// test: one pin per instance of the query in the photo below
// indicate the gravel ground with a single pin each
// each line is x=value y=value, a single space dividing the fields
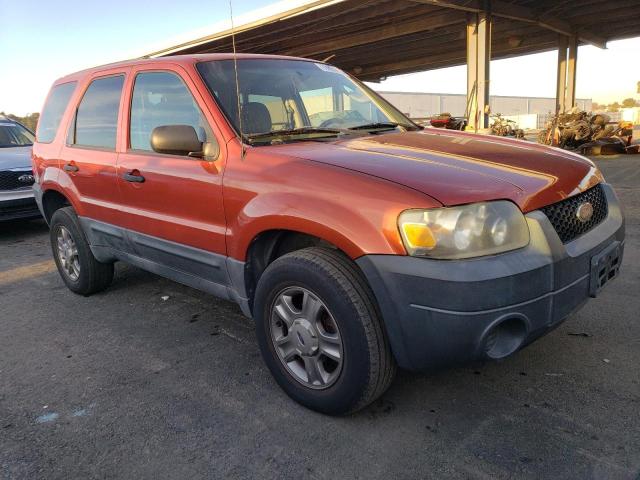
x=127 y=384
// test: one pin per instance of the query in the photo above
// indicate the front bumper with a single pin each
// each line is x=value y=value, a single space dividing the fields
x=443 y=312
x=18 y=204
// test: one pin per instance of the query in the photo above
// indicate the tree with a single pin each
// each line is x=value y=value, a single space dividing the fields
x=614 y=107
x=30 y=120
x=629 y=102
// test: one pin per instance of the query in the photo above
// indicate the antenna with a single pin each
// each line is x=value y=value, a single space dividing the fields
x=235 y=68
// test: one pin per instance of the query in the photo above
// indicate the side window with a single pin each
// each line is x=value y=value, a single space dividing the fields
x=53 y=110
x=162 y=98
x=96 y=121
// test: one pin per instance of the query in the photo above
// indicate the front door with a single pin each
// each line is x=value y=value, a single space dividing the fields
x=173 y=204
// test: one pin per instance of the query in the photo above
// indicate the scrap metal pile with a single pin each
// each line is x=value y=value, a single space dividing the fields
x=500 y=126
x=591 y=134
x=504 y=127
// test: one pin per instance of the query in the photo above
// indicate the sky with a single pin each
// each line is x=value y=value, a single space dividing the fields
x=41 y=40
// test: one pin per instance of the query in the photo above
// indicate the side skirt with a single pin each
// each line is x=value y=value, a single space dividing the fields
x=209 y=272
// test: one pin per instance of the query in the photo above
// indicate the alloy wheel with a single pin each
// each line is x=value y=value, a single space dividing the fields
x=68 y=254
x=306 y=337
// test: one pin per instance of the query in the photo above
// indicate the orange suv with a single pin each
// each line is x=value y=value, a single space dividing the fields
x=356 y=239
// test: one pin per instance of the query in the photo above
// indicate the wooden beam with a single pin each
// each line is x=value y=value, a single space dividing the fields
x=473 y=6
x=413 y=46
x=521 y=13
x=384 y=32
x=449 y=57
x=286 y=32
x=414 y=64
x=410 y=46
x=241 y=28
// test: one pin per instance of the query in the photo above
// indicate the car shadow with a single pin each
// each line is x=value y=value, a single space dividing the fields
x=14 y=231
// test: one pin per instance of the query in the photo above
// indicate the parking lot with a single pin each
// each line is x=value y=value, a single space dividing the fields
x=151 y=379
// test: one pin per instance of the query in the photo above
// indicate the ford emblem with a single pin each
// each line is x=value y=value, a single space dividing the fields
x=26 y=178
x=584 y=212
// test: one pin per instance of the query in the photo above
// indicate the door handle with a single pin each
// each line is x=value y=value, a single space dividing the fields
x=133 y=176
x=70 y=167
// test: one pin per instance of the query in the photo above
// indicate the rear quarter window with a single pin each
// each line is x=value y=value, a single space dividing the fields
x=53 y=111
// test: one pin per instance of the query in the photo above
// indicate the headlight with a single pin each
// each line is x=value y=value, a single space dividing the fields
x=466 y=231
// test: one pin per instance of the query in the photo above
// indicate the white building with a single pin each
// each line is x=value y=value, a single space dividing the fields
x=424 y=105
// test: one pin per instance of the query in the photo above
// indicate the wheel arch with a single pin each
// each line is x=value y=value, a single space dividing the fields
x=269 y=245
x=53 y=200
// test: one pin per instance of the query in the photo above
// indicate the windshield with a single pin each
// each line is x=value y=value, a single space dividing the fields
x=296 y=97
x=14 y=135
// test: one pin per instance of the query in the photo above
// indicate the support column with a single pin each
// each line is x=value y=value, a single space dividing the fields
x=561 y=81
x=472 y=71
x=478 y=63
x=572 y=64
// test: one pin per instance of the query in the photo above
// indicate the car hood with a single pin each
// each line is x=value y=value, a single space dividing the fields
x=458 y=167
x=15 y=157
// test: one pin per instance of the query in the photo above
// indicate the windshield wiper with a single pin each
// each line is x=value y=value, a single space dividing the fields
x=295 y=131
x=382 y=126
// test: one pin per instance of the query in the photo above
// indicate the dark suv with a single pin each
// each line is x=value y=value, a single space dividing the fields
x=16 y=177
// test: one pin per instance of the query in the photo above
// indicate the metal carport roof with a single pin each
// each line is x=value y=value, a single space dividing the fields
x=379 y=38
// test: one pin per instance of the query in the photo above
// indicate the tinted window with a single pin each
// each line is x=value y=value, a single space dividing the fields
x=97 y=116
x=162 y=98
x=53 y=111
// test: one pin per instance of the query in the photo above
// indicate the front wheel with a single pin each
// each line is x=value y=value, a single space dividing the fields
x=79 y=269
x=320 y=331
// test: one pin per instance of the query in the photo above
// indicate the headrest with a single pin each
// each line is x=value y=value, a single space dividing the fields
x=255 y=118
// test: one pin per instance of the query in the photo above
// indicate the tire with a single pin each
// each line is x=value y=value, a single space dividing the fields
x=90 y=276
x=367 y=365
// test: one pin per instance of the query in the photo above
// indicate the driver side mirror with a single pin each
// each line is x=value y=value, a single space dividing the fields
x=182 y=140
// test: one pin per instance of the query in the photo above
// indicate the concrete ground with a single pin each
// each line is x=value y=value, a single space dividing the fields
x=151 y=379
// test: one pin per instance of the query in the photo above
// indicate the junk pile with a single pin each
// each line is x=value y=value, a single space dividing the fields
x=504 y=127
x=590 y=134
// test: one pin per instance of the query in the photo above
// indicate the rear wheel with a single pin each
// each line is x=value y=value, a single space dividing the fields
x=320 y=331
x=79 y=269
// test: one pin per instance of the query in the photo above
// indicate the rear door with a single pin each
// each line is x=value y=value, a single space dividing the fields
x=173 y=204
x=88 y=157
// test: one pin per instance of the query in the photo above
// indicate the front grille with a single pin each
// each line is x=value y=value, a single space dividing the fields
x=9 y=180
x=563 y=215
